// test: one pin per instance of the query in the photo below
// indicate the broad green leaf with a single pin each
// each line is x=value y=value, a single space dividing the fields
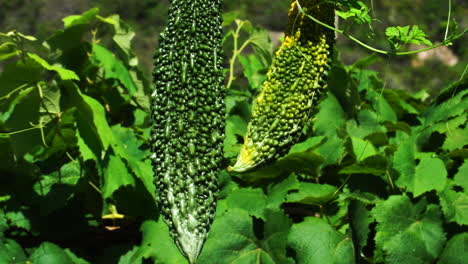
x=57 y=187
x=456 y=250
x=404 y=163
x=84 y=18
x=307 y=145
x=454 y=204
x=92 y=123
x=461 y=178
x=430 y=174
x=249 y=199
x=123 y=35
x=356 y=10
x=454 y=106
x=360 y=218
x=64 y=74
x=11 y=252
x=303 y=162
x=86 y=152
x=18 y=219
x=236 y=127
x=456 y=138
x=362 y=149
x=330 y=107
x=333 y=150
x=50 y=102
x=116 y=175
x=128 y=147
x=312 y=193
x=277 y=192
x=49 y=253
x=254 y=70
x=406 y=232
x=397 y=36
x=232 y=240
x=316 y=242
x=157 y=244
x=261 y=43
x=366 y=124
x=61 y=136
x=275 y=236
x=344 y=88
x=113 y=68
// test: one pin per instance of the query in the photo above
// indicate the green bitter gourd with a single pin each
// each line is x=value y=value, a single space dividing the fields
x=294 y=81
x=188 y=120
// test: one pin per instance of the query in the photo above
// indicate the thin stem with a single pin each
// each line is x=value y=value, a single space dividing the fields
x=448 y=19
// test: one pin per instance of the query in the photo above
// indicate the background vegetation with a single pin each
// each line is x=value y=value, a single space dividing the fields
x=378 y=176
x=147 y=18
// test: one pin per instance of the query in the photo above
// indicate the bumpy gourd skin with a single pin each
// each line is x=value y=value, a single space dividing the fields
x=188 y=120
x=294 y=81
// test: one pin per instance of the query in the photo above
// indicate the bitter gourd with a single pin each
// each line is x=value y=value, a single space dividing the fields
x=188 y=120
x=294 y=81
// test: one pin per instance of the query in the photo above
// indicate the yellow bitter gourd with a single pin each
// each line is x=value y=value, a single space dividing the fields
x=188 y=120
x=294 y=81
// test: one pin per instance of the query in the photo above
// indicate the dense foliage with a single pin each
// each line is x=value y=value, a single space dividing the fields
x=377 y=176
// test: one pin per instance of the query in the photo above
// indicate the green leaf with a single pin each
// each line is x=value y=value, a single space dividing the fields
x=357 y=10
x=366 y=124
x=304 y=162
x=456 y=139
x=232 y=240
x=316 y=242
x=361 y=219
x=461 y=178
x=235 y=126
x=157 y=244
x=333 y=150
x=430 y=174
x=11 y=252
x=307 y=145
x=128 y=147
x=64 y=74
x=49 y=253
x=362 y=148
x=344 y=88
x=454 y=204
x=312 y=193
x=398 y=36
x=253 y=70
x=57 y=187
x=404 y=163
x=277 y=192
x=324 y=125
x=455 y=251
x=123 y=35
x=92 y=124
x=84 y=18
x=251 y=200
x=18 y=220
x=113 y=68
x=407 y=233
x=116 y=175
x=261 y=43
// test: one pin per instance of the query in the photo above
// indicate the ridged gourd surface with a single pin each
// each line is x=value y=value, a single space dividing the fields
x=188 y=120
x=294 y=82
